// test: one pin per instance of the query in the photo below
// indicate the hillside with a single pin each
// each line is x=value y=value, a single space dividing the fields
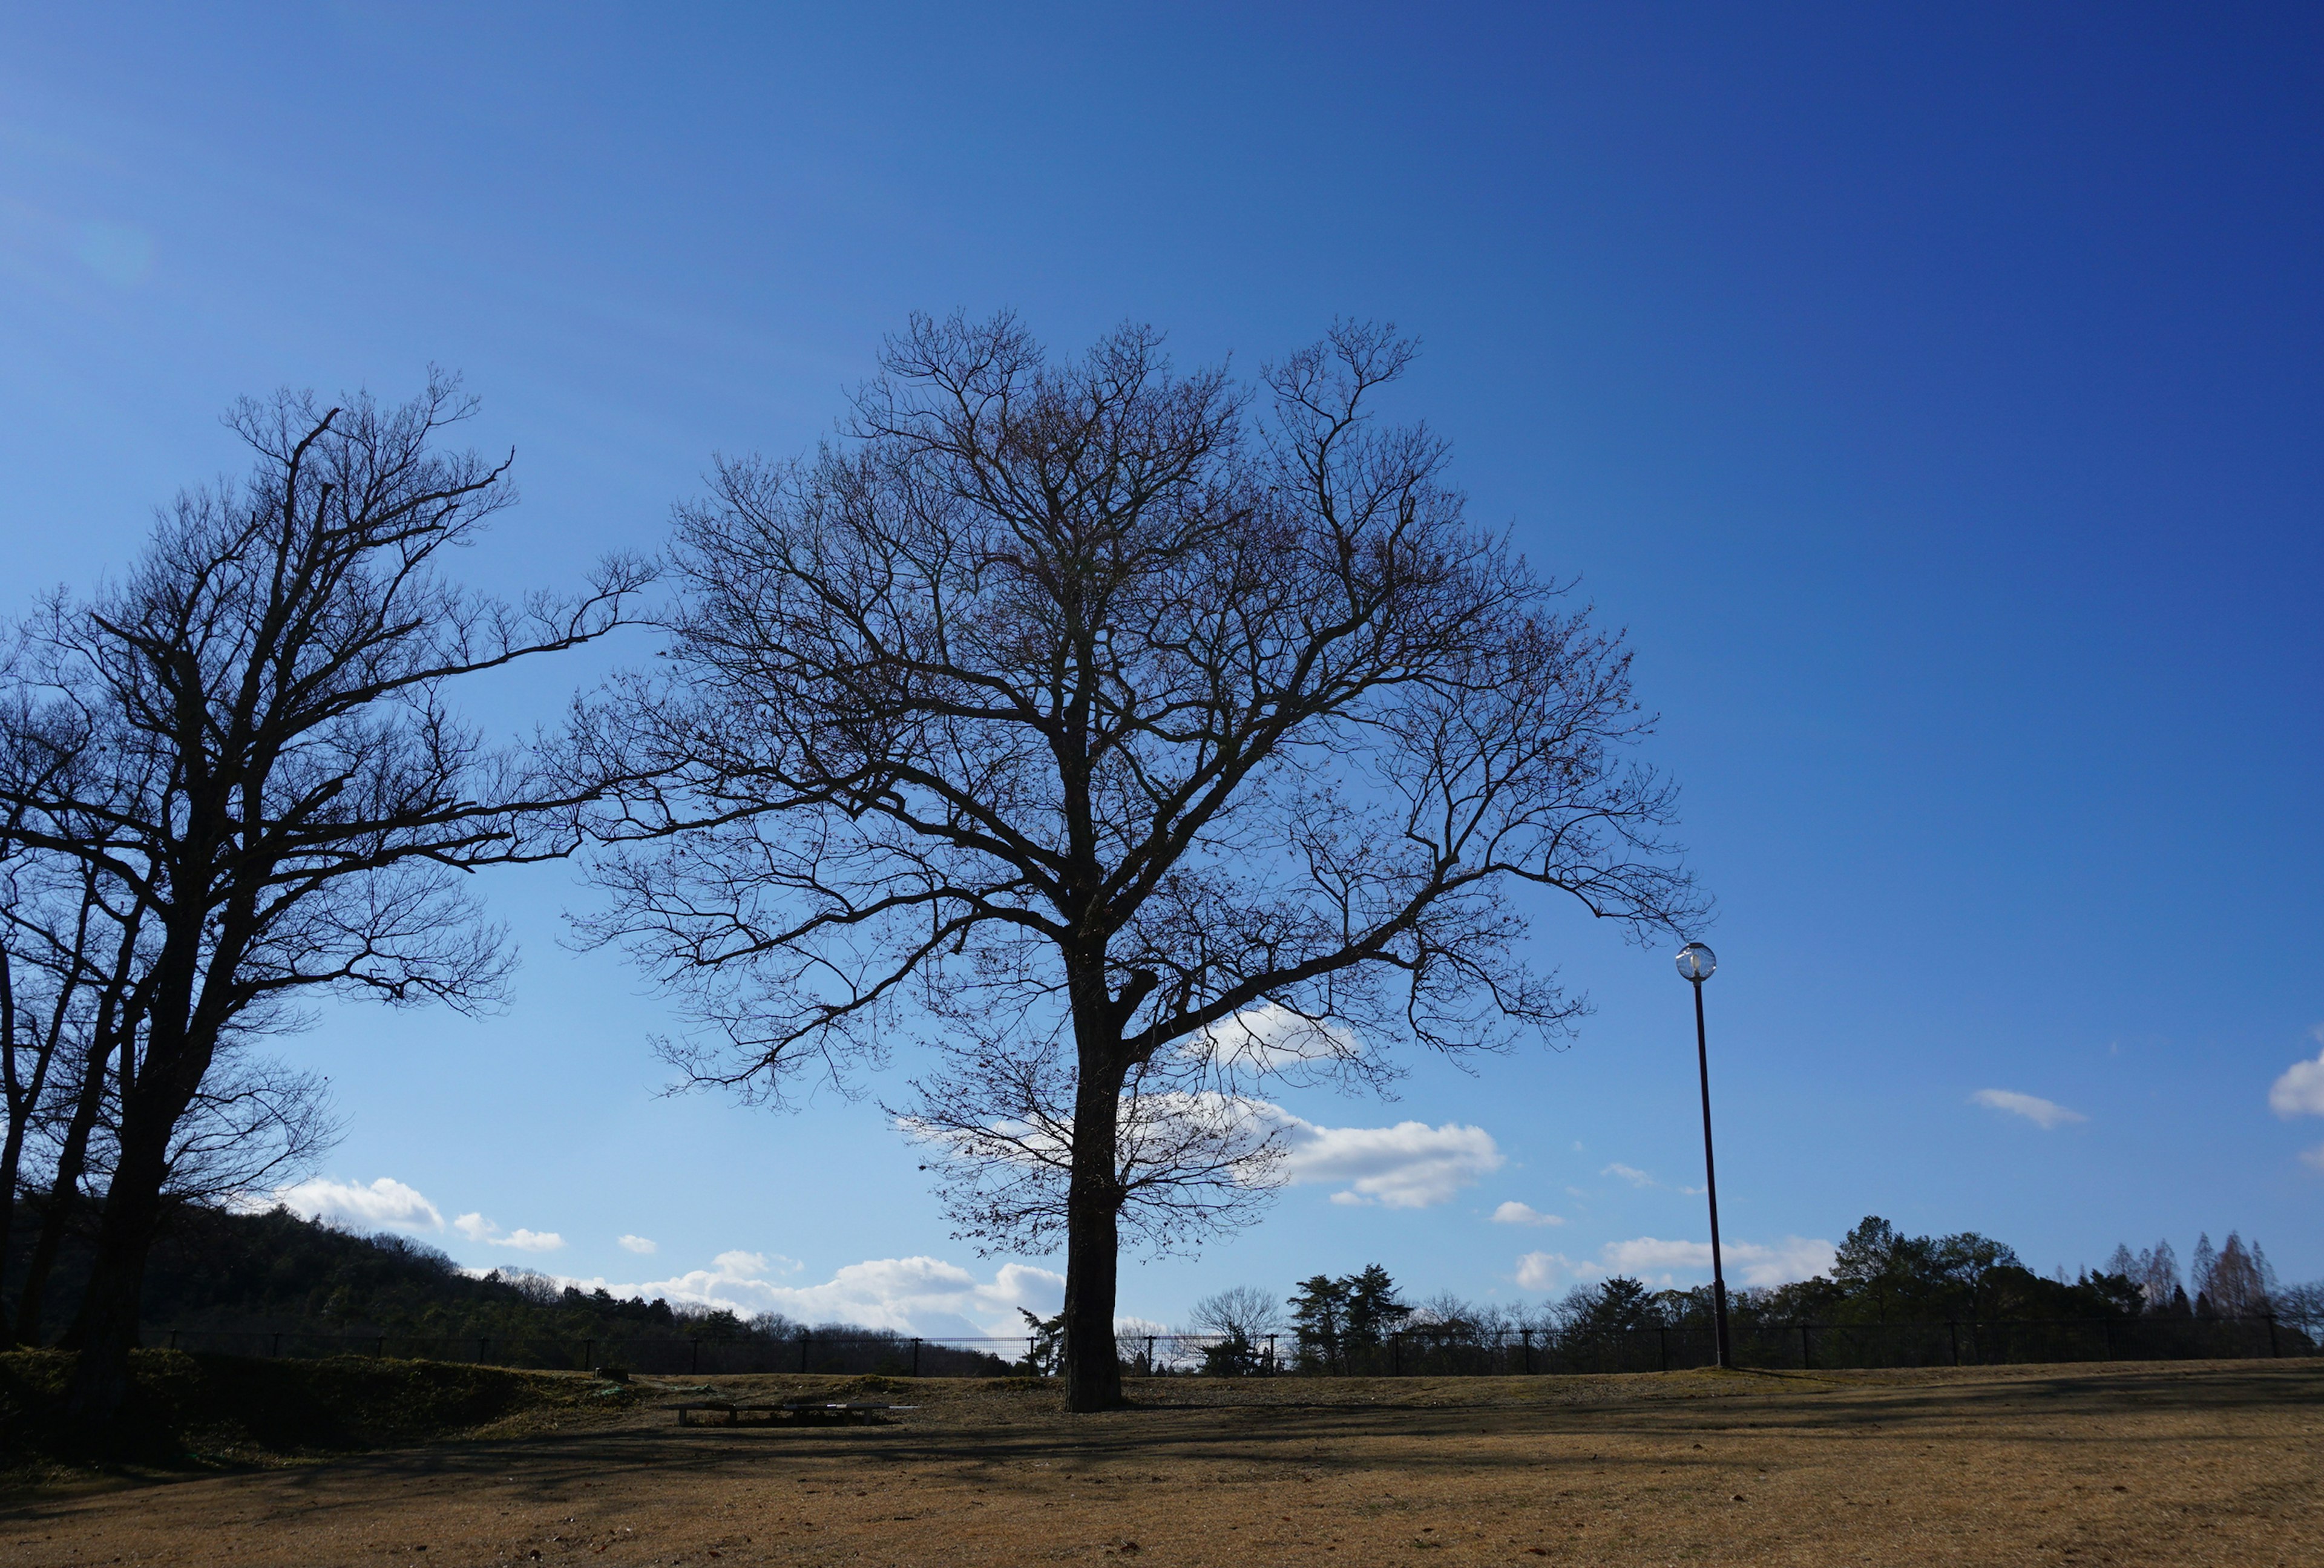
x=216 y=1268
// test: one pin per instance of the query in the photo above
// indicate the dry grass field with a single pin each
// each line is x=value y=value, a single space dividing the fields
x=2196 y=1464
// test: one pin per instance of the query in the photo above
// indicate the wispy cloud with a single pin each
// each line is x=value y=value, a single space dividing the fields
x=2043 y=1113
x=484 y=1232
x=1639 y=1178
x=1674 y=1263
x=638 y=1244
x=384 y=1204
x=2301 y=1091
x=2314 y=1156
x=1515 y=1214
x=1408 y=1165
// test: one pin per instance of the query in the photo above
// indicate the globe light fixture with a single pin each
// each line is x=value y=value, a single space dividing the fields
x=1697 y=963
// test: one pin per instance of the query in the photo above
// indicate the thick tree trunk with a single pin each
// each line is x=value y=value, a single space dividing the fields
x=1093 y=1241
x=106 y=1328
x=64 y=1196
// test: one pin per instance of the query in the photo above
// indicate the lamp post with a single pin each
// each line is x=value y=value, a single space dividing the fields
x=1696 y=964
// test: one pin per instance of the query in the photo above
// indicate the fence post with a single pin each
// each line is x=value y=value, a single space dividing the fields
x=1395 y=1350
x=1031 y=1343
x=1807 y=1358
x=1271 y=1363
x=1150 y=1355
x=915 y=1358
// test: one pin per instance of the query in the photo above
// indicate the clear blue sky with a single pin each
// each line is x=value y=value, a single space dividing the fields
x=1933 y=393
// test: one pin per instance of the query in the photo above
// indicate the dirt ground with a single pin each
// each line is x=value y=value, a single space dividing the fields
x=2196 y=1464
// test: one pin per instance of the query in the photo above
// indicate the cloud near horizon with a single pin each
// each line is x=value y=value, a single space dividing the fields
x=486 y=1233
x=2043 y=1113
x=1662 y=1263
x=916 y=1295
x=386 y=1205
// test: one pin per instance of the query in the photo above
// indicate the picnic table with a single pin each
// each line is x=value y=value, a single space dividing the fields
x=788 y=1411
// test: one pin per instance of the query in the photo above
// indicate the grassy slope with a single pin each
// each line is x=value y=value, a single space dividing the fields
x=206 y=1410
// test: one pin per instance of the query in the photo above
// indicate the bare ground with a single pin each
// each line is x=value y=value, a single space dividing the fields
x=2194 y=1464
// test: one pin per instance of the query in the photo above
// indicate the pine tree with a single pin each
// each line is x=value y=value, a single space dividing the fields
x=1318 y=1317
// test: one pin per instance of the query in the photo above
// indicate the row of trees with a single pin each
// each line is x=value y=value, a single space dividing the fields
x=1123 y=738
x=2236 y=1280
x=1880 y=1275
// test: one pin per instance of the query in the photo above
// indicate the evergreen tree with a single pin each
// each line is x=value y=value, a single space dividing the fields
x=1319 y=1314
x=1373 y=1312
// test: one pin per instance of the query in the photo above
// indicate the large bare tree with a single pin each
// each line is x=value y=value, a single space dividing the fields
x=249 y=738
x=1075 y=715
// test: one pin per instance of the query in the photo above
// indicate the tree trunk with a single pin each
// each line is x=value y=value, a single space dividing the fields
x=12 y=1155
x=106 y=1328
x=64 y=1195
x=1092 y=1243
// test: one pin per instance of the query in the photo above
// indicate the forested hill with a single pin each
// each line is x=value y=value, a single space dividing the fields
x=217 y=1269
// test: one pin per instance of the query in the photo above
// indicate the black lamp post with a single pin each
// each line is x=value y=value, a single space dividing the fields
x=1696 y=964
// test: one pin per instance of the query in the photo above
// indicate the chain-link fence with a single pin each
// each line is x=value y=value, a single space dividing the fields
x=1421 y=1352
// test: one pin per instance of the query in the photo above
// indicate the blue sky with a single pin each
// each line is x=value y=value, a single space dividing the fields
x=1933 y=393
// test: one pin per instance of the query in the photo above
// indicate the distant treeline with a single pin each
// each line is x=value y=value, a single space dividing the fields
x=220 y=1269
x=1879 y=1276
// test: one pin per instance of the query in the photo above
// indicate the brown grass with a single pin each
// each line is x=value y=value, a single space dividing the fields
x=2204 y=1463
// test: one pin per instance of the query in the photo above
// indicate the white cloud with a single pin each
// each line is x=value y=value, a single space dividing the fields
x=920 y=1296
x=385 y=1204
x=2314 y=1156
x=478 y=1229
x=1515 y=1214
x=638 y=1244
x=2043 y=1113
x=2301 y=1091
x=1408 y=1165
x=1663 y=1263
x=1544 y=1270
x=1272 y=1039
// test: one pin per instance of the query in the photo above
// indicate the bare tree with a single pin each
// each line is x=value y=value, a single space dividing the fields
x=261 y=757
x=37 y=969
x=115 y=985
x=1072 y=713
x=2239 y=1282
x=1242 y=1309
